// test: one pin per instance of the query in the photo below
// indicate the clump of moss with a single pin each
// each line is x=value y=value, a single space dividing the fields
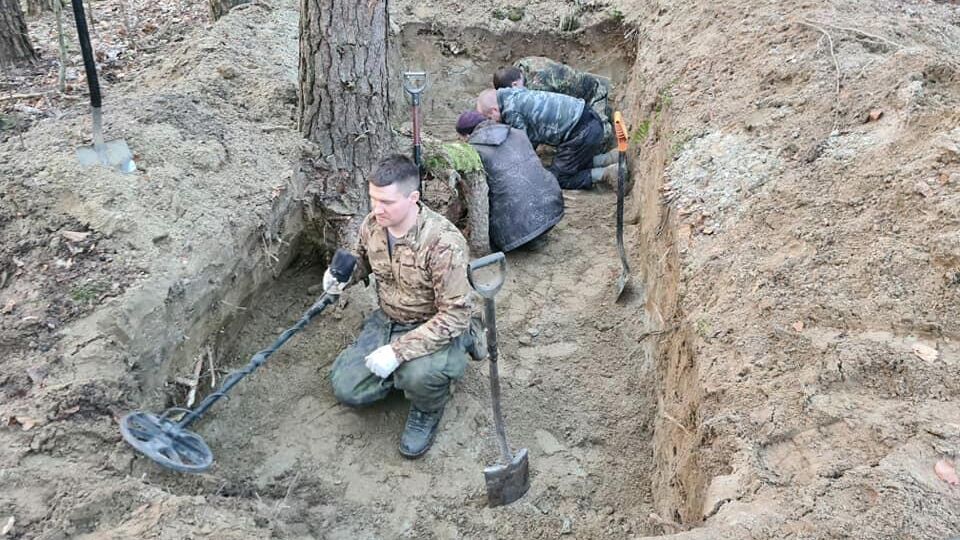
x=458 y=156
x=513 y=13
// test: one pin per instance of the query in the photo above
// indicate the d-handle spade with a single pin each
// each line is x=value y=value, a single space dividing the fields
x=415 y=82
x=114 y=153
x=621 y=130
x=169 y=442
x=507 y=481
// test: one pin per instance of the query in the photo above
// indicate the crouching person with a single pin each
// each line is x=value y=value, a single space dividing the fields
x=417 y=341
x=525 y=198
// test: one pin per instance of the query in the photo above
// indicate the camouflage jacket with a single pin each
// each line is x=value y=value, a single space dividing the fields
x=541 y=73
x=425 y=281
x=546 y=117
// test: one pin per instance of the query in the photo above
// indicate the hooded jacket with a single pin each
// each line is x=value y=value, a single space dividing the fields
x=525 y=198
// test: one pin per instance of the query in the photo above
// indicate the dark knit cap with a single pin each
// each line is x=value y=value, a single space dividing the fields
x=468 y=121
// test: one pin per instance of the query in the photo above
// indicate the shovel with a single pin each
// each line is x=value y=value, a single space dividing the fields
x=113 y=153
x=508 y=481
x=168 y=442
x=414 y=82
x=621 y=131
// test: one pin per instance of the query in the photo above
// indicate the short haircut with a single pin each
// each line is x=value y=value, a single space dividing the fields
x=487 y=101
x=398 y=170
x=505 y=77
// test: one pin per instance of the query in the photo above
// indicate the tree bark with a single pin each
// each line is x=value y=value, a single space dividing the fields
x=344 y=102
x=476 y=195
x=14 y=43
x=219 y=8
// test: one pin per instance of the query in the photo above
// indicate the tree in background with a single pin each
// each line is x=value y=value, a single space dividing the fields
x=343 y=104
x=14 y=43
x=36 y=7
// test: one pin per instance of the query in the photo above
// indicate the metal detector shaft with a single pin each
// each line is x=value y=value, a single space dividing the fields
x=258 y=360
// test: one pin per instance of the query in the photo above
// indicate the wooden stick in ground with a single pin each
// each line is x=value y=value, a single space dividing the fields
x=93 y=23
x=62 y=43
x=213 y=370
x=195 y=382
x=131 y=31
x=30 y=95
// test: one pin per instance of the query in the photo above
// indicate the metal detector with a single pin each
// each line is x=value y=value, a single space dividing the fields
x=168 y=442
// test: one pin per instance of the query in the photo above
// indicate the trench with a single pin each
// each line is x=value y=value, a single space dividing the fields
x=600 y=392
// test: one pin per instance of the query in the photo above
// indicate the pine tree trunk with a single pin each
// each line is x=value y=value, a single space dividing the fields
x=219 y=8
x=343 y=105
x=14 y=42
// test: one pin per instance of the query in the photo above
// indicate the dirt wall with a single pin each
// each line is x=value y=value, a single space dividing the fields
x=800 y=235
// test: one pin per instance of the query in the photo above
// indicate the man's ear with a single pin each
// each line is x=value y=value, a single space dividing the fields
x=517 y=83
x=415 y=196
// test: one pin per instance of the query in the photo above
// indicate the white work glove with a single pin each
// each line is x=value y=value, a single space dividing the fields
x=382 y=361
x=331 y=285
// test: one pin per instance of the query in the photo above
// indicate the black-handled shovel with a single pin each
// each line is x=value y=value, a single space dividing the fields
x=621 y=130
x=506 y=482
x=168 y=442
x=113 y=153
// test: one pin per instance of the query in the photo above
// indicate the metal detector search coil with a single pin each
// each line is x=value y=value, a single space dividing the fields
x=168 y=442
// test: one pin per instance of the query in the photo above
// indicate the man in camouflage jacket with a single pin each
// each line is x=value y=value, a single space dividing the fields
x=544 y=74
x=417 y=341
x=557 y=120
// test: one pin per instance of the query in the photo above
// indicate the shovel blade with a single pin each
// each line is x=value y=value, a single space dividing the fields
x=115 y=154
x=622 y=283
x=507 y=483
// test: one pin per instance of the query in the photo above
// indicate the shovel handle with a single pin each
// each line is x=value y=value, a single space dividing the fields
x=488 y=290
x=414 y=82
x=621 y=130
x=88 y=64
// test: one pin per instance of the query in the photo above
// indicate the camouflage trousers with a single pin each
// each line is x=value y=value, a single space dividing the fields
x=425 y=381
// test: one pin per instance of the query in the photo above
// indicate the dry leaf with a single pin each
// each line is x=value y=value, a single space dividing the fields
x=874 y=115
x=8 y=527
x=946 y=472
x=798 y=326
x=925 y=352
x=8 y=308
x=71 y=410
x=75 y=236
x=26 y=423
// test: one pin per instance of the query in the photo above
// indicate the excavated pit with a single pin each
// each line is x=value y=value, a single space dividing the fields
x=580 y=380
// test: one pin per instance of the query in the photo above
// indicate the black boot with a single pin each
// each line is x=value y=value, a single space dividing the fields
x=419 y=432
